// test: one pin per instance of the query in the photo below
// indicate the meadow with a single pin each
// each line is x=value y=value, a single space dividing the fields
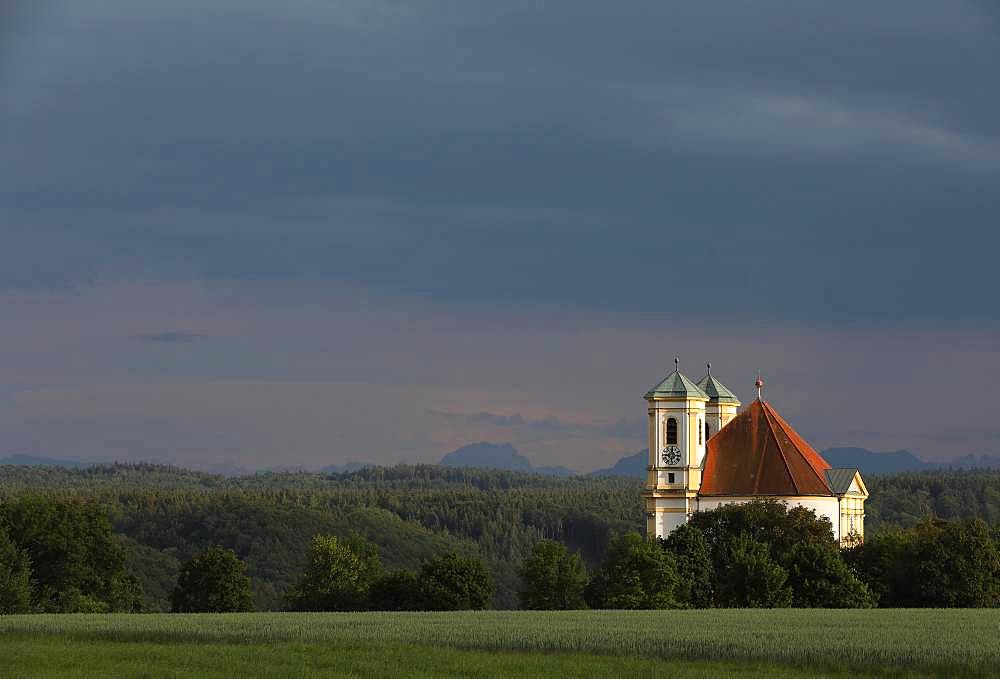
x=928 y=642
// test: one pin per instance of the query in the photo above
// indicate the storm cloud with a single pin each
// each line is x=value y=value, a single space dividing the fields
x=720 y=178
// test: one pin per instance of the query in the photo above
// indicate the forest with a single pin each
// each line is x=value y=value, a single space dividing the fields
x=160 y=517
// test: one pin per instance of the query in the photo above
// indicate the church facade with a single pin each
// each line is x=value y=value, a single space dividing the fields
x=704 y=452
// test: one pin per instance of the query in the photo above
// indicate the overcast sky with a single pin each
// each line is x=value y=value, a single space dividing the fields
x=313 y=231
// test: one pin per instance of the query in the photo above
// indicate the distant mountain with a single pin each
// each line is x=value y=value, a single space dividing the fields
x=902 y=461
x=488 y=455
x=34 y=461
x=867 y=461
x=975 y=462
x=630 y=465
x=876 y=463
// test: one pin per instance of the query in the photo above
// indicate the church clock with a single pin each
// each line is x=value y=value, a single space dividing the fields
x=671 y=455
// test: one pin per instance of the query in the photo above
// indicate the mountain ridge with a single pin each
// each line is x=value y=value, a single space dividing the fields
x=21 y=460
x=504 y=456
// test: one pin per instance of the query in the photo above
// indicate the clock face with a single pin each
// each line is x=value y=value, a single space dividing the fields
x=671 y=455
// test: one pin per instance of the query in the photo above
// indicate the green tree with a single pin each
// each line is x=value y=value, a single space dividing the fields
x=689 y=548
x=15 y=577
x=396 y=590
x=636 y=574
x=737 y=531
x=411 y=512
x=752 y=579
x=957 y=564
x=213 y=581
x=450 y=582
x=934 y=564
x=77 y=563
x=819 y=578
x=768 y=521
x=553 y=578
x=883 y=564
x=338 y=575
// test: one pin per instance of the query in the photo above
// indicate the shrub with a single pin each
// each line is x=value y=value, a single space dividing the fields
x=396 y=591
x=636 y=573
x=935 y=564
x=77 y=563
x=15 y=577
x=553 y=578
x=695 y=587
x=450 y=582
x=213 y=581
x=338 y=575
x=752 y=578
x=819 y=578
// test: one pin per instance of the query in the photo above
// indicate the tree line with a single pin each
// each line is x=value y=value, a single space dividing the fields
x=159 y=518
x=61 y=556
x=411 y=512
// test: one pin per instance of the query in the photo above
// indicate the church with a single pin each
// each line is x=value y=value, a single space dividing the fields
x=704 y=452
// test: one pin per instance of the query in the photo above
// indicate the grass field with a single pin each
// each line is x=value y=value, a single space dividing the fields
x=586 y=643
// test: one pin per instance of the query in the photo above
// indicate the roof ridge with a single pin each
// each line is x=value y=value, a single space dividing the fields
x=740 y=461
x=779 y=421
x=781 y=451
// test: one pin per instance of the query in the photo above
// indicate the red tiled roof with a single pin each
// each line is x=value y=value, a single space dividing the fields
x=758 y=453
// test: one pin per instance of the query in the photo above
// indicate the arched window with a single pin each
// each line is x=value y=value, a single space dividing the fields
x=671 y=432
x=708 y=431
x=699 y=432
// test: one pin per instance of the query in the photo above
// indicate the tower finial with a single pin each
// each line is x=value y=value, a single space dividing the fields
x=709 y=366
x=759 y=384
x=677 y=363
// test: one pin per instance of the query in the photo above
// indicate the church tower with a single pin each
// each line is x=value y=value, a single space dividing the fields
x=677 y=411
x=722 y=404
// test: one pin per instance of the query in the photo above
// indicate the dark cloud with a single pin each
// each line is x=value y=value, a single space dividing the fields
x=799 y=162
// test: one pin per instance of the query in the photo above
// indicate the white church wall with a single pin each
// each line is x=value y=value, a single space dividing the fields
x=668 y=521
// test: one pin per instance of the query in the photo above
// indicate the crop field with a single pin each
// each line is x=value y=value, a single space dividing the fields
x=506 y=643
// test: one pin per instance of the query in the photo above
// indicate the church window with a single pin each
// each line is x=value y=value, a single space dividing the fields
x=708 y=431
x=670 y=477
x=699 y=432
x=671 y=432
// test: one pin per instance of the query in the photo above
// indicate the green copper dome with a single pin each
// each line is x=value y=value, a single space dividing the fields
x=716 y=390
x=676 y=385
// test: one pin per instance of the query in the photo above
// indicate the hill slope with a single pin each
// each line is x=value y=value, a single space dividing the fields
x=410 y=512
